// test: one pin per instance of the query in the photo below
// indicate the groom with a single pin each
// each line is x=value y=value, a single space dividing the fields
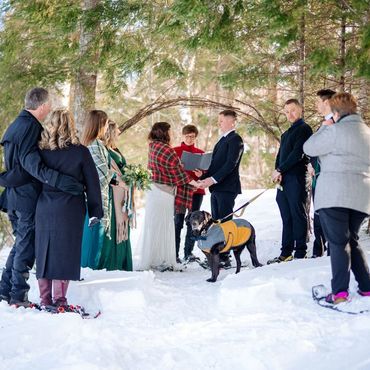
x=222 y=177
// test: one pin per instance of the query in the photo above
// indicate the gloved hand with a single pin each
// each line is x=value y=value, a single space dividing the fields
x=69 y=184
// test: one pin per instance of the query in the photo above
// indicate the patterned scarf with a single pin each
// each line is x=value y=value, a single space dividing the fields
x=101 y=159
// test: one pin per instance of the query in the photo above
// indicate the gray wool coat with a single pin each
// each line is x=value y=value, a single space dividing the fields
x=344 y=154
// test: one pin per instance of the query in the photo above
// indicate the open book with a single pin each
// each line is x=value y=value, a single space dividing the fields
x=192 y=161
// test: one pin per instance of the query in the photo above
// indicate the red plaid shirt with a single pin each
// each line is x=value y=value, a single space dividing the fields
x=166 y=168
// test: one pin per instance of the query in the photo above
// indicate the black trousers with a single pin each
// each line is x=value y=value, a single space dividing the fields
x=179 y=223
x=319 y=244
x=222 y=204
x=13 y=284
x=291 y=201
x=341 y=226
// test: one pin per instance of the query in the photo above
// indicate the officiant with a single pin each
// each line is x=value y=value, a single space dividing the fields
x=222 y=177
x=189 y=136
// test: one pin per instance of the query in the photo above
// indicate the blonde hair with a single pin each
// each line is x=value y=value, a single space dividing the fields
x=343 y=104
x=110 y=136
x=60 y=131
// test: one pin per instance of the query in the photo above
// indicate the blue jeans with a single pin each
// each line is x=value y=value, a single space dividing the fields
x=13 y=284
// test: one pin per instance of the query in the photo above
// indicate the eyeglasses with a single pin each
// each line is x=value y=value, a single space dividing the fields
x=190 y=136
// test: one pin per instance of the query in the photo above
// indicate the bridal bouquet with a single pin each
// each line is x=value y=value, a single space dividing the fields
x=137 y=176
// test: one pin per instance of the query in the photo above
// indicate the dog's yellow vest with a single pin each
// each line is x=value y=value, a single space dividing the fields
x=234 y=234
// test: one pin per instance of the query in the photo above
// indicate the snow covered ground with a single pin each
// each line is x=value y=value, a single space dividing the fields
x=257 y=320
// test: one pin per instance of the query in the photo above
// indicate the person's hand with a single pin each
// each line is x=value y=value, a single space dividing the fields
x=276 y=177
x=328 y=122
x=311 y=170
x=195 y=184
x=69 y=184
x=198 y=173
x=206 y=183
x=122 y=184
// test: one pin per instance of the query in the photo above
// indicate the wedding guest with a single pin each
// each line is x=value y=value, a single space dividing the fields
x=189 y=134
x=116 y=250
x=343 y=192
x=323 y=108
x=157 y=240
x=20 y=197
x=290 y=172
x=60 y=216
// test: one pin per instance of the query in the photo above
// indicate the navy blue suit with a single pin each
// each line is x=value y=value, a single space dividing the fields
x=224 y=168
x=22 y=157
x=292 y=163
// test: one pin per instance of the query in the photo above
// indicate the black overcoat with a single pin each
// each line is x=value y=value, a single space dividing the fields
x=60 y=216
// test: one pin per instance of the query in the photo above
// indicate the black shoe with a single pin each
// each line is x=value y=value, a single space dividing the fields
x=299 y=256
x=280 y=259
x=25 y=304
x=191 y=258
x=178 y=260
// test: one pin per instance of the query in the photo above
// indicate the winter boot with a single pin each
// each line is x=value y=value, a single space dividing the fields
x=364 y=294
x=337 y=298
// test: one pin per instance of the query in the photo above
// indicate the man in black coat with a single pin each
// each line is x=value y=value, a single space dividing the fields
x=290 y=172
x=222 y=176
x=21 y=154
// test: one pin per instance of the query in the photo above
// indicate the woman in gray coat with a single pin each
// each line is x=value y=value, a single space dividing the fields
x=343 y=192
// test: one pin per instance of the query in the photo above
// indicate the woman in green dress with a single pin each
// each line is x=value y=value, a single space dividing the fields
x=116 y=249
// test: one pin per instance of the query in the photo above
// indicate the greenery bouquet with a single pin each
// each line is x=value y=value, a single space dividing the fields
x=137 y=176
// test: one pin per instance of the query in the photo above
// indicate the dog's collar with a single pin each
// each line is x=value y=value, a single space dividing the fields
x=200 y=237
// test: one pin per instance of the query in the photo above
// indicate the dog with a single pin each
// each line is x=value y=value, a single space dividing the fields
x=215 y=238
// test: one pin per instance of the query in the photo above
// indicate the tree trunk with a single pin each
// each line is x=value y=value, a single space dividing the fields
x=302 y=59
x=84 y=83
x=342 y=51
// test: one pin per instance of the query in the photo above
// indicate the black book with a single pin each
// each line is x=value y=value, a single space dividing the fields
x=193 y=161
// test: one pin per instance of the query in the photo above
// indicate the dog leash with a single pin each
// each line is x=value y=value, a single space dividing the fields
x=243 y=206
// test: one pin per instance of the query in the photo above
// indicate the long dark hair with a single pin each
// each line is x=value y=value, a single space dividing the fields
x=160 y=132
x=94 y=123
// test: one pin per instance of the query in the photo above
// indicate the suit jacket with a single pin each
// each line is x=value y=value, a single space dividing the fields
x=344 y=154
x=290 y=158
x=224 y=167
x=21 y=151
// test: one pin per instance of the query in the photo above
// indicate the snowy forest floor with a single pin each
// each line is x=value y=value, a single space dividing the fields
x=260 y=319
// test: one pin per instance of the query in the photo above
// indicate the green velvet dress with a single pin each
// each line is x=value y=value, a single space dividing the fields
x=115 y=256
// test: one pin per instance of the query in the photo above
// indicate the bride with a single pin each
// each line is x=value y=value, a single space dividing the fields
x=157 y=240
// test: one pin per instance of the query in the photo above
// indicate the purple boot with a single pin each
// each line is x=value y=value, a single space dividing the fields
x=45 y=292
x=60 y=290
x=364 y=294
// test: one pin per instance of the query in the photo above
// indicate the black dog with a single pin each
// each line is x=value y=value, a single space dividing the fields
x=215 y=238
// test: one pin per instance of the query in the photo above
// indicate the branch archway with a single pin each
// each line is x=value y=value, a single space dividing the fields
x=246 y=110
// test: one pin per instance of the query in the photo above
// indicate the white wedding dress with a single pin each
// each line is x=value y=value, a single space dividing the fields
x=157 y=238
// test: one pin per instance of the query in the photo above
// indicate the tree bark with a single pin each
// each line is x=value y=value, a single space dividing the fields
x=84 y=83
x=342 y=51
x=302 y=59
